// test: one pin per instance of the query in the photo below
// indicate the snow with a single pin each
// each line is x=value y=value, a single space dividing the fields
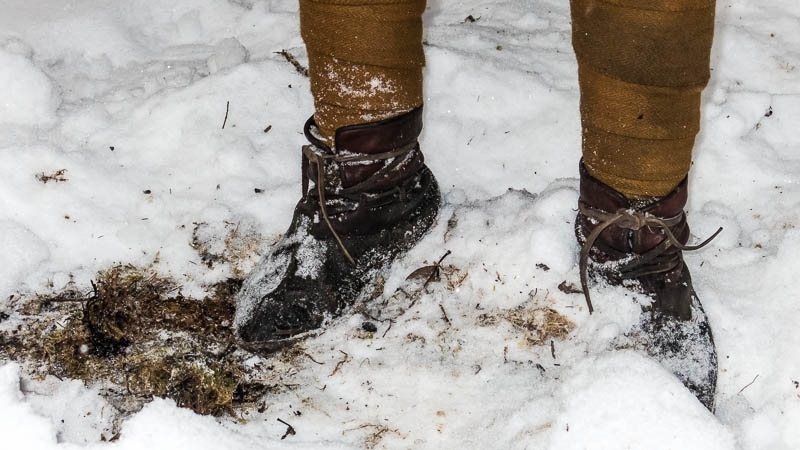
x=20 y=426
x=29 y=96
x=129 y=98
x=604 y=409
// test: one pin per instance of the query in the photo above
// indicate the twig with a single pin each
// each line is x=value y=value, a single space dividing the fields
x=444 y=314
x=341 y=362
x=66 y=300
x=375 y=437
x=57 y=176
x=747 y=385
x=227 y=110
x=289 y=429
x=433 y=275
x=293 y=61
x=387 y=329
x=376 y=319
x=553 y=349
x=446 y=254
x=312 y=359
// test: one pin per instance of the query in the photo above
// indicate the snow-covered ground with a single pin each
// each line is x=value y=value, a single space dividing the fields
x=128 y=98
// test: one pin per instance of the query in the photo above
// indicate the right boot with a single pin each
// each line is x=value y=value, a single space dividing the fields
x=638 y=244
x=365 y=201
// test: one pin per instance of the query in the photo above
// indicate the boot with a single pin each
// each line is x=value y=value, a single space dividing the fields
x=639 y=244
x=364 y=202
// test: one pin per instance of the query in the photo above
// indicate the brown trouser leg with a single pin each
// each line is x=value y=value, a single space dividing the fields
x=642 y=66
x=365 y=59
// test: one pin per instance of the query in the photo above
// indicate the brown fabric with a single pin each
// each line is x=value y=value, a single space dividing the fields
x=642 y=67
x=365 y=59
x=637 y=167
x=645 y=112
x=662 y=5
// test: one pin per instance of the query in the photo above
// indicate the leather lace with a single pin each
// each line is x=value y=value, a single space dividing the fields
x=656 y=260
x=318 y=154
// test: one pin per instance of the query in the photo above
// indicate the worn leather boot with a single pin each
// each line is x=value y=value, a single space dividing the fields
x=639 y=244
x=363 y=204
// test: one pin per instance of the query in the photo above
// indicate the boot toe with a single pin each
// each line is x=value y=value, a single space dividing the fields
x=685 y=347
x=278 y=321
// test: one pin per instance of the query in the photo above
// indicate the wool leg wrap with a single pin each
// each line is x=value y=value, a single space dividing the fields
x=642 y=65
x=365 y=59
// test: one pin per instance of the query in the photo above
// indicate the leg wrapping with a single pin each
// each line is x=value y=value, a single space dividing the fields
x=642 y=67
x=365 y=59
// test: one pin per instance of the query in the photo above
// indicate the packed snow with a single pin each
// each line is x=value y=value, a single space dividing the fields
x=112 y=150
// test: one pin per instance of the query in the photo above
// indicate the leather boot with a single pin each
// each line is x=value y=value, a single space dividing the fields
x=639 y=244
x=364 y=202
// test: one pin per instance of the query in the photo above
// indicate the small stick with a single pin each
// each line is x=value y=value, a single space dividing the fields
x=431 y=277
x=446 y=254
x=227 y=110
x=553 y=349
x=341 y=362
x=312 y=359
x=388 y=328
x=289 y=430
x=293 y=61
x=444 y=314
x=66 y=300
x=747 y=385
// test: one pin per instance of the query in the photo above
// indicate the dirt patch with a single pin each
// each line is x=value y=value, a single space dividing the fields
x=137 y=337
x=539 y=323
x=59 y=176
x=234 y=244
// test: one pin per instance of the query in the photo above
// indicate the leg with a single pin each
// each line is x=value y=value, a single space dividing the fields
x=365 y=59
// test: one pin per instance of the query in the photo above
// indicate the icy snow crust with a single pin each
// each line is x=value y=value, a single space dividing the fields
x=130 y=98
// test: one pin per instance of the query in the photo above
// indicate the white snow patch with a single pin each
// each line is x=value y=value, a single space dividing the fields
x=29 y=97
x=623 y=400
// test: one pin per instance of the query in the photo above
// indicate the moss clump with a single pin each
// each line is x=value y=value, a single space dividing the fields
x=136 y=335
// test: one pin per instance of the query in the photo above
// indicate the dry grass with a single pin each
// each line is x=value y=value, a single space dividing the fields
x=135 y=334
x=540 y=324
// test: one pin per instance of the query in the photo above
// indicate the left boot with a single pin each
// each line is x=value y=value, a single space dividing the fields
x=639 y=244
x=365 y=201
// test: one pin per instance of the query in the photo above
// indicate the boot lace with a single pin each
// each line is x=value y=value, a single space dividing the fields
x=324 y=161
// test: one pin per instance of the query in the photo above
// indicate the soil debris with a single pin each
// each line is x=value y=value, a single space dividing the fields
x=540 y=324
x=136 y=336
x=230 y=243
x=59 y=176
x=569 y=288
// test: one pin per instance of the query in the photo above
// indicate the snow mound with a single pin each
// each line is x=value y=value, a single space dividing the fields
x=625 y=400
x=29 y=97
x=22 y=252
